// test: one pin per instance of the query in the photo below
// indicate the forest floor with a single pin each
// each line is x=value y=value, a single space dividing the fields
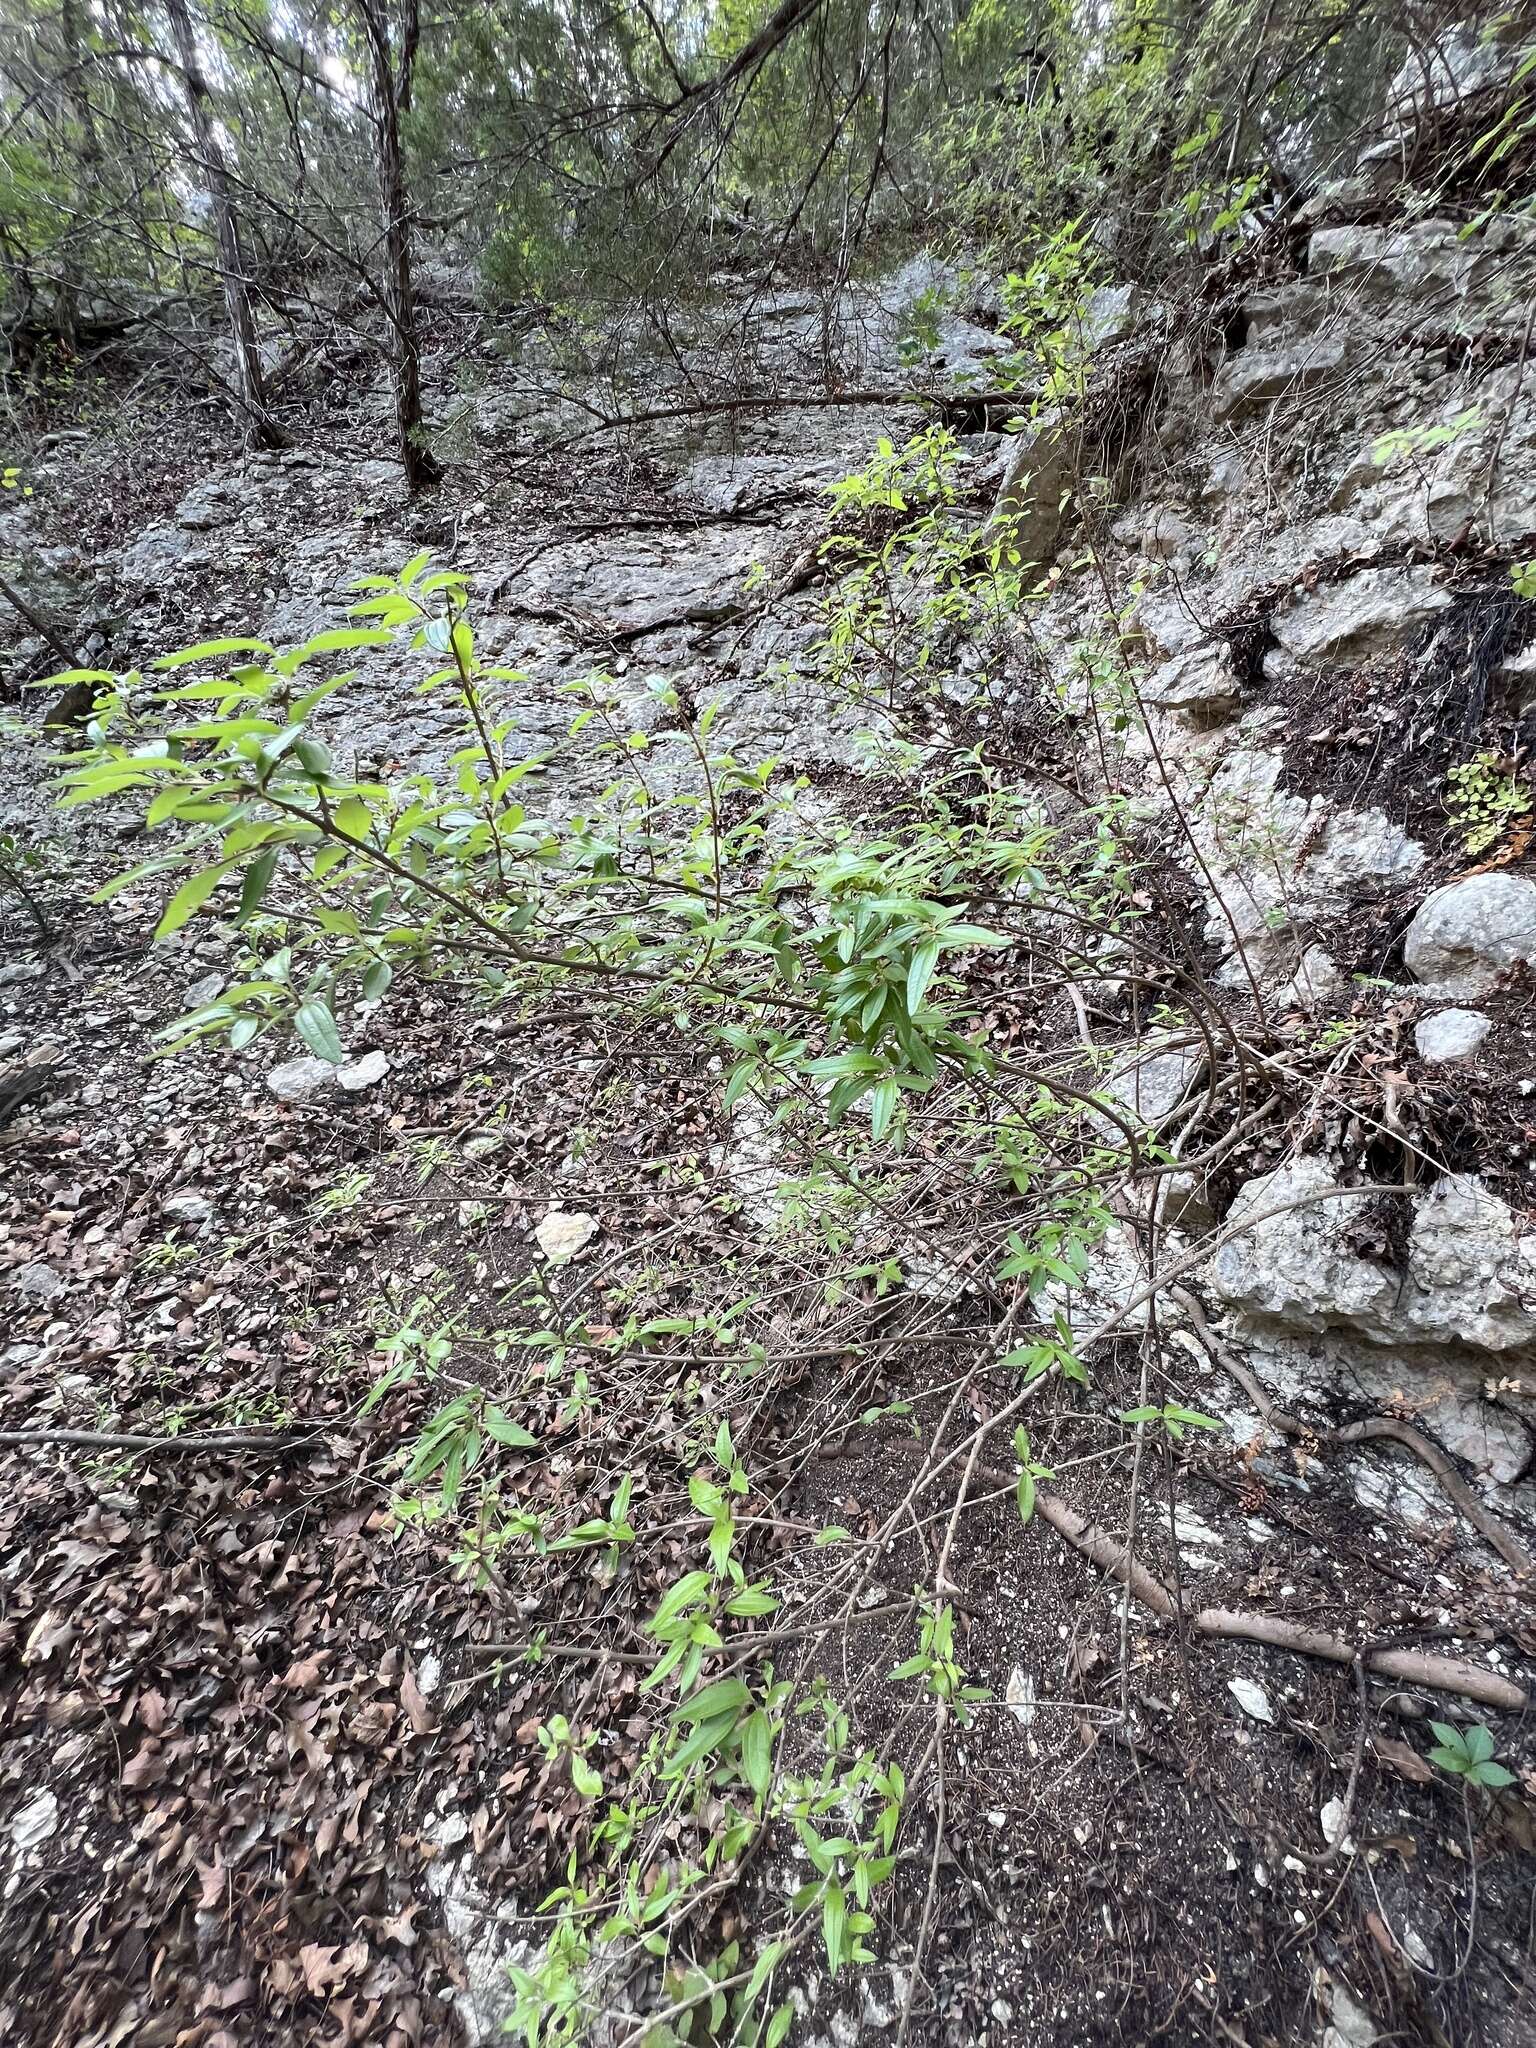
x=270 y=1772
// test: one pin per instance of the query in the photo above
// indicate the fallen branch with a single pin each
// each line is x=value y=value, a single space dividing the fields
x=111 y=1440
x=1409 y=1667
x=37 y=622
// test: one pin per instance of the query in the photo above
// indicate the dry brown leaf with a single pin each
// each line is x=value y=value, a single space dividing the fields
x=1402 y=1758
x=414 y=1703
x=324 y=1968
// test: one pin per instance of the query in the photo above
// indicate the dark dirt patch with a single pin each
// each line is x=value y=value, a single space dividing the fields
x=1386 y=734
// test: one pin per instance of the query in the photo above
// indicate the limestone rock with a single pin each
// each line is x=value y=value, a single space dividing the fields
x=365 y=1072
x=213 y=502
x=1428 y=260
x=1451 y=1034
x=562 y=1234
x=1453 y=65
x=296 y=1080
x=1467 y=934
x=1469 y=1276
x=38 y=1281
x=1316 y=978
x=1150 y=1085
x=1029 y=507
x=1258 y=377
x=1109 y=314
x=1204 y=680
x=1278 y=860
x=1446 y=1401
x=188 y=1206
x=1375 y=610
x=1340 y=198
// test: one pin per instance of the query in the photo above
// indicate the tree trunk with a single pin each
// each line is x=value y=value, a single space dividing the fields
x=260 y=429
x=391 y=91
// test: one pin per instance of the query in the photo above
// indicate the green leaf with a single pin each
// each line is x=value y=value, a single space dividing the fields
x=725 y=1696
x=1026 y=1496
x=317 y=1027
x=1490 y=1774
x=587 y=1781
x=253 y=888
x=882 y=1109
x=757 y=1753
x=502 y=1431
x=920 y=973
x=779 y=2025
x=763 y=1969
x=341 y=640
x=834 y=1920
x=189 y=899
x=1479 y=1744
x=377 y=980
x=206 y=650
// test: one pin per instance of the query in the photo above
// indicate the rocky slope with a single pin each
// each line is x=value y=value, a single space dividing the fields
x=1271 y=635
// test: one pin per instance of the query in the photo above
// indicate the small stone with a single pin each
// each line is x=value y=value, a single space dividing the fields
x=362 y=1073
x=1352 y=2026
x=1415 y=1948
x=188 y=1207
x=562 y=1234
x=1317 y=976
x=1253 y=1699
x=298 y=1079
x=13 y=971
x=1185 y=1204
x=1451 y=1034
x=203 y=992
x=1020 y=1696
x=38 y=1281
x=35 y=1821
x=1333 y=1819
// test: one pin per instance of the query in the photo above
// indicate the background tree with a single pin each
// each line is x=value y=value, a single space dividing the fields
x=261 y=431
x=391 y=70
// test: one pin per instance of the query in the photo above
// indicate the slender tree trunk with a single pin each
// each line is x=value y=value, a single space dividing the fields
x=76 y=101
x=391 y=93
x=261 y=431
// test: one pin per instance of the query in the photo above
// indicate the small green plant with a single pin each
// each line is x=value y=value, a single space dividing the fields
x=1484 y=798
x=560 y=1744
x=1217 y=206
x=1172 y=1418
x=936 y=1663
x=1522 y=576
x=1411 y=442
x=1468 y=1755
x=1029 y=1476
